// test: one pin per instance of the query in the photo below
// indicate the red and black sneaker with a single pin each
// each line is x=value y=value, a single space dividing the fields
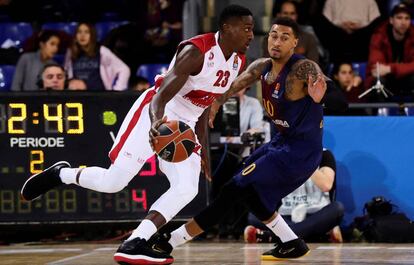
x=42 y=182
x=160 y=242
x=292 y=249
x=139 y=251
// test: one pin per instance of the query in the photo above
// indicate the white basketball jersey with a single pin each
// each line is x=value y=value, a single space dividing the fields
x=214 y=79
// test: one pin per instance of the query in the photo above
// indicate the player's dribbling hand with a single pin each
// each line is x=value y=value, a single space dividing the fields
x=213 y=111
x=154 y=130
x=317 y=89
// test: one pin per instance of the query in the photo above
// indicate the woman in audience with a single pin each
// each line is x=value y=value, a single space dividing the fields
x=95 y=64
x=30 y=64
x=345 y=78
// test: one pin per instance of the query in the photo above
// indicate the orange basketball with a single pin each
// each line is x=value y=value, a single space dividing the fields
x=176 y=141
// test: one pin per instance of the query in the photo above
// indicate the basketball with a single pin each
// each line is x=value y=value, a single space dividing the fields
x=176 y=141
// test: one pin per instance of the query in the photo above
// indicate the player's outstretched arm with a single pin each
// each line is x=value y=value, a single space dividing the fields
x=246 y=79
x=189 y=61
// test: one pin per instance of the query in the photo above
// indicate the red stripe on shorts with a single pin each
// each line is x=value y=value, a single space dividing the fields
x=115 y=151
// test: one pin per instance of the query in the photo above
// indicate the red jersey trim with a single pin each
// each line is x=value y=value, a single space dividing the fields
x=203 y=42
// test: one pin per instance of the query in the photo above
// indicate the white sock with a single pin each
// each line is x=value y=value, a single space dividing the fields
x=68 y=175
x=179 y=236
x=280 y=228
x=145 y=230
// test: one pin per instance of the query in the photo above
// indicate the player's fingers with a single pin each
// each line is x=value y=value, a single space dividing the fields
x=310 y=80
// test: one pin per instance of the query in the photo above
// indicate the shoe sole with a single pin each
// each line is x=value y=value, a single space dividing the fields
x=24 y=185
x=125 y=259
x=273 y=258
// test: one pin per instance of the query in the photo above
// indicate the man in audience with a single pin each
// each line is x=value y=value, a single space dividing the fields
x=52 y=77
x=392 y=47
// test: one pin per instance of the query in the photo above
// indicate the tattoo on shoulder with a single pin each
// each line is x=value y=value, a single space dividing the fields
x=258 y=66
x=304 y=68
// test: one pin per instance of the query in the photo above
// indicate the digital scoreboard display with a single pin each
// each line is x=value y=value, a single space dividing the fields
x=38 y=129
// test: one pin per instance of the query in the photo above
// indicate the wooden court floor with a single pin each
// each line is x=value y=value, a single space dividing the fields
x=209 y=254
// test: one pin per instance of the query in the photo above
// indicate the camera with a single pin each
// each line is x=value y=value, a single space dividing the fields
x=378 y=206
x=249 y=139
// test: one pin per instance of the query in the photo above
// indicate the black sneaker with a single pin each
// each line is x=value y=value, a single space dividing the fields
x=138 y=251
x=160 y=242
x=42 y=182
x=289 y=250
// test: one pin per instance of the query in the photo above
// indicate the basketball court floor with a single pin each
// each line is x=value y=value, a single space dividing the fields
x=209 y=254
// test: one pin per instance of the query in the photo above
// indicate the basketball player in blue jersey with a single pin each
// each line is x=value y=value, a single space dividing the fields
x=293 y=90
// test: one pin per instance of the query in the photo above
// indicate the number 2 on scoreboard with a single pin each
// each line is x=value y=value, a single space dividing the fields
x=36 y=161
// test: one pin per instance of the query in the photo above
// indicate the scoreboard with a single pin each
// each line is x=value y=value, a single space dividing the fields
x=39 y=128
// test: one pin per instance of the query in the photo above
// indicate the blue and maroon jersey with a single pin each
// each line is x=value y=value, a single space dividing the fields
x=300 y=119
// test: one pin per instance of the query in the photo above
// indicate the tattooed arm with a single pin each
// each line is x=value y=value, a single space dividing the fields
x=311 y=80
x=322 y=90
x=247 y=78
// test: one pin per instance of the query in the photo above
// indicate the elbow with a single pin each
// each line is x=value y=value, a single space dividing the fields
x=326 y=187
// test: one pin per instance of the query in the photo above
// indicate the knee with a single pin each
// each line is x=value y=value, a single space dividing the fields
x=113 y=186
x=114 y=181
x=339 y=209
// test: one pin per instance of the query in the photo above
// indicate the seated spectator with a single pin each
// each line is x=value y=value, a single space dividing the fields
x=139 y=84
x=309 y=207
x=308 y=44
x=345 y=78
x=392 y=47
x=95 y=64
x=30 y=64
x=345 y=28
x=77 y=84
x=52 y=77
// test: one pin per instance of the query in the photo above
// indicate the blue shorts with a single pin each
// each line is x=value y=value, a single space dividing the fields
x=279 y=167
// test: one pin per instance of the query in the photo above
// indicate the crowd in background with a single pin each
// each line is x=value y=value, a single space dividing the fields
x=356 y=42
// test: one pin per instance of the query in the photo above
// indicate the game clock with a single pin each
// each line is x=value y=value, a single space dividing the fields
x=38 y=129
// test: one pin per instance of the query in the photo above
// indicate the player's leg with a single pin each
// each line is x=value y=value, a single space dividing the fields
x=127 y=159
x=230 y=195
x=268 y=190
x=183 y=178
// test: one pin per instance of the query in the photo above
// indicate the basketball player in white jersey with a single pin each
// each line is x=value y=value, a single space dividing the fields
x=202 y=70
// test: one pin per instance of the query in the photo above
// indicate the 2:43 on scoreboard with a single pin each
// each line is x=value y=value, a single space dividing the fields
x=18 y=118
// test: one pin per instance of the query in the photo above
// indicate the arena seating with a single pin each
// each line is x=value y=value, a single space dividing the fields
x=103 y=28
x=68 y=27
x=6 y=77
x=149 y=71
x=17 y=32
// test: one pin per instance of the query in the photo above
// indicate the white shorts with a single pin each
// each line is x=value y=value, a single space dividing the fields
x=131 y=147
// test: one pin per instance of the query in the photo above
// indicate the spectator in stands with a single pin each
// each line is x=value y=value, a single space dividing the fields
x=345 y=28
x=164 y=27
x=392 y=46
x=77 y=84
x=52 y=77
x=97 y=65
x=308 y=44
x=346 y=79
x=30 y=64
x=311 y=209
x=139 y=84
